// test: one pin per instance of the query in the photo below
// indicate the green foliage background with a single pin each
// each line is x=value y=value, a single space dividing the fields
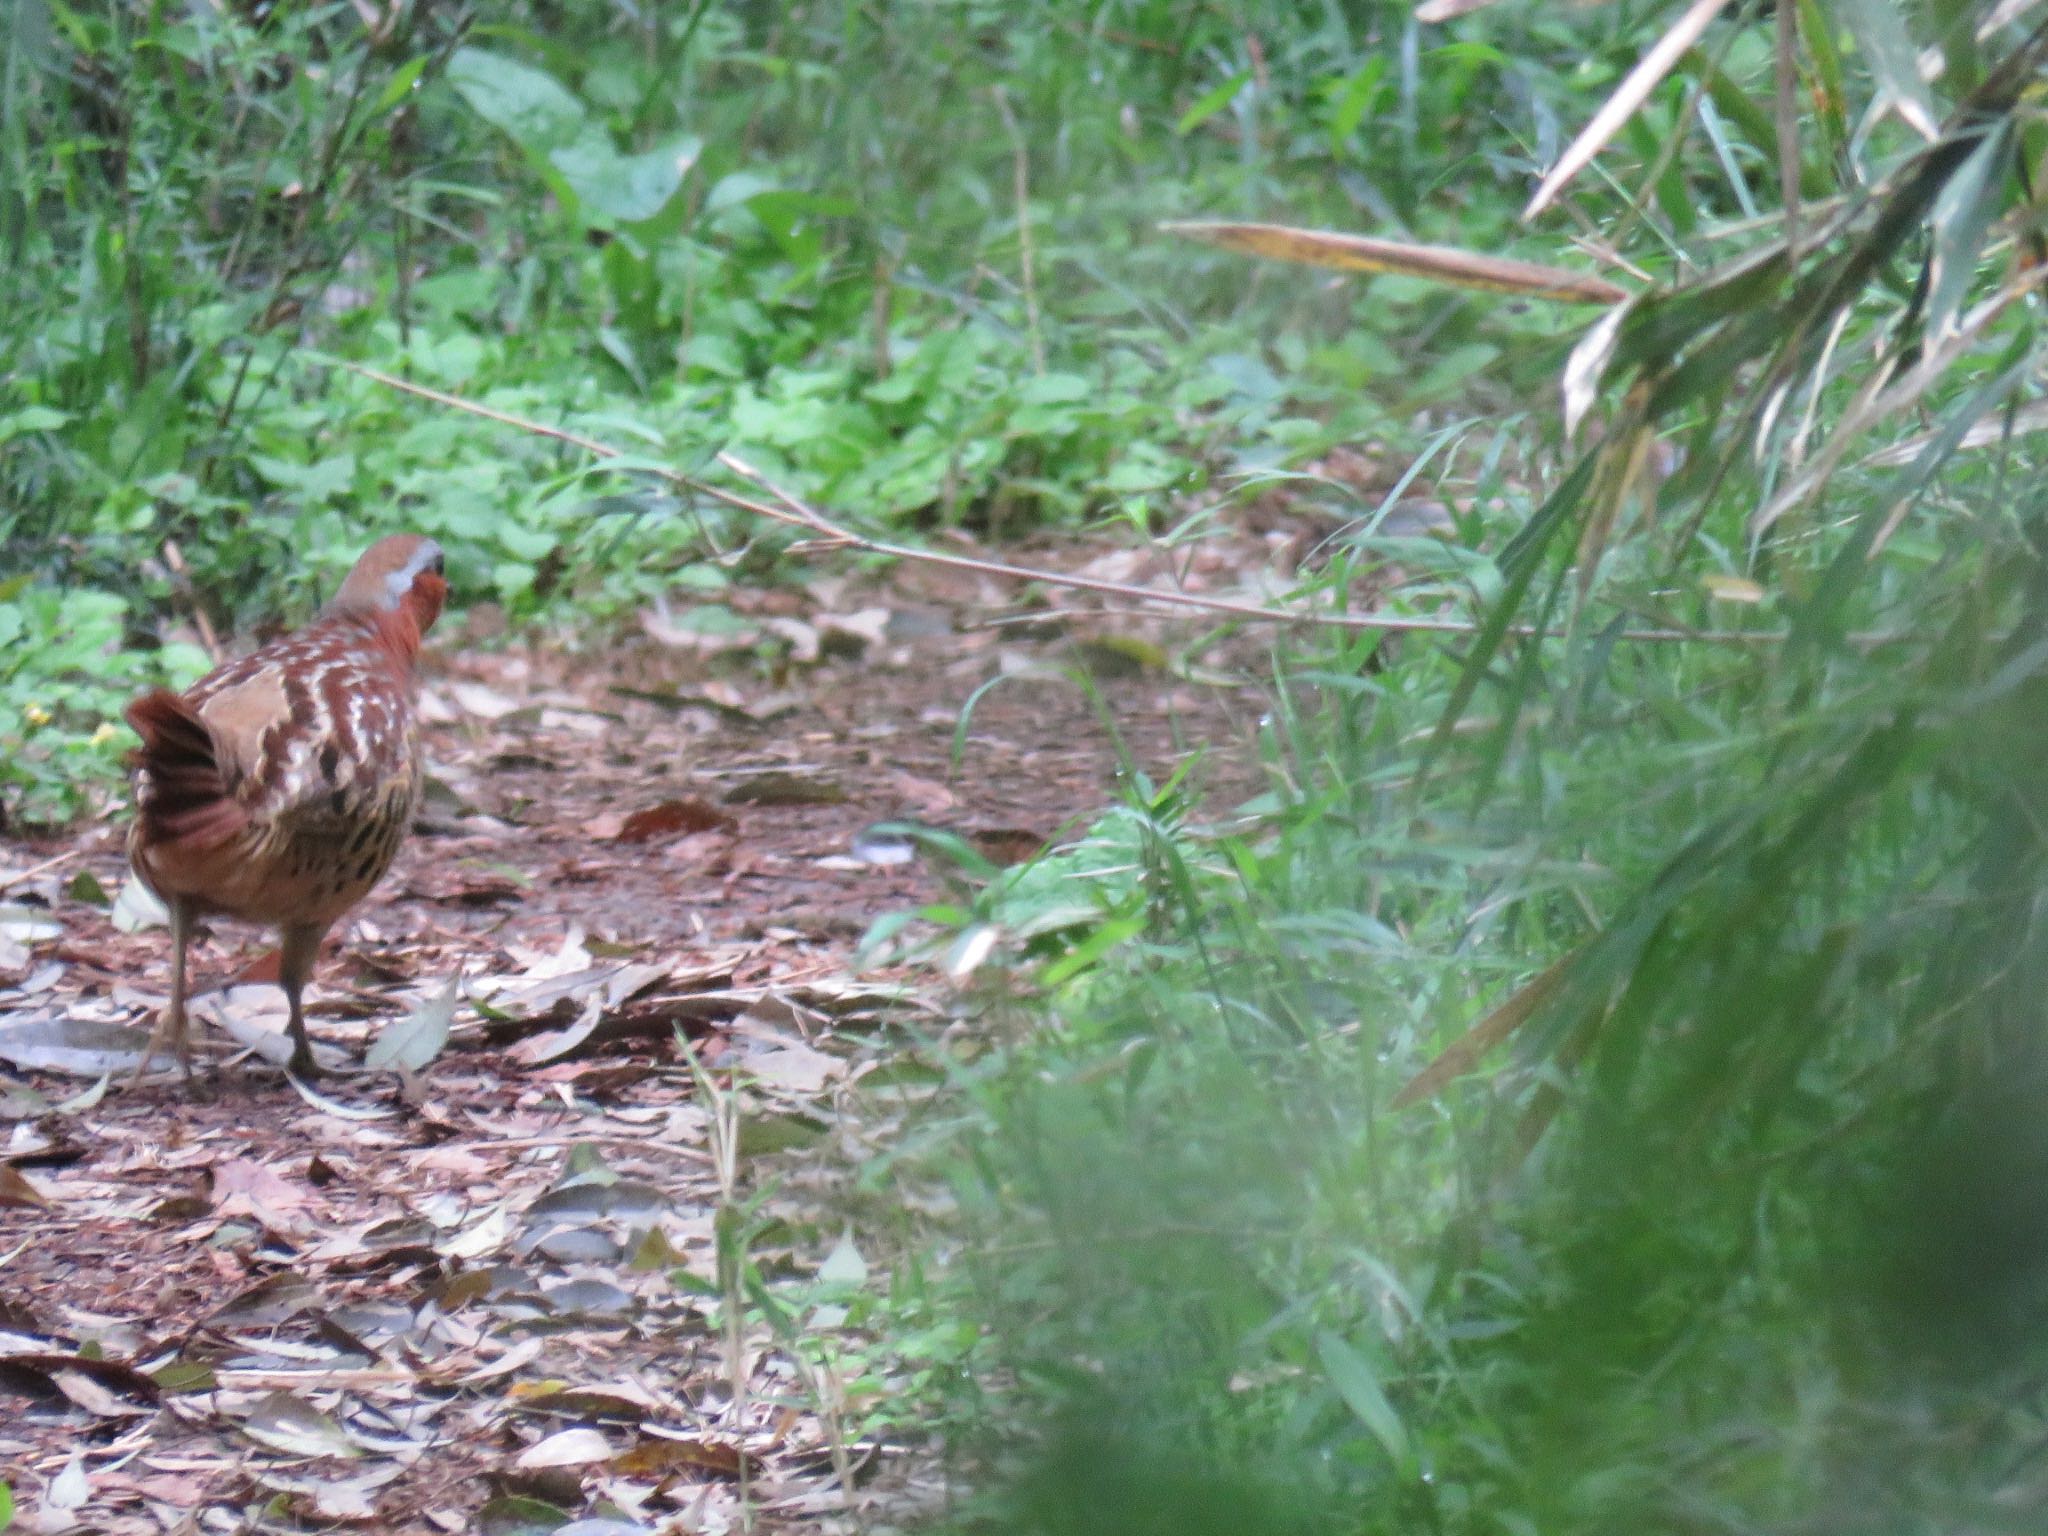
x=793 y=228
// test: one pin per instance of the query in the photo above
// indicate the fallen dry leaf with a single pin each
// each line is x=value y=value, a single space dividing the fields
x=565 y=1448
x=671 y=818
x=15 y=1189
x=779 y=786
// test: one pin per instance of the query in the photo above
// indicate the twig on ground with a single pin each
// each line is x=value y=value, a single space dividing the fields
x=796 y=513
x=11 y=878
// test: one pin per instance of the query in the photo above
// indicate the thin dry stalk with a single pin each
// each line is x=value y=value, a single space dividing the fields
x=831 y=535
x=1020 y=189
x=1787 y=108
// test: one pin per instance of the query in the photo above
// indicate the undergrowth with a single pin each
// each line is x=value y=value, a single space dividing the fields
x=1593 y=1098
x=904 y=258
x=1729 y=1219
x=1735 y=1234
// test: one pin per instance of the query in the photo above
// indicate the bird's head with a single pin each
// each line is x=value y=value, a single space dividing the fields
x=402 y=573
x=398 y=581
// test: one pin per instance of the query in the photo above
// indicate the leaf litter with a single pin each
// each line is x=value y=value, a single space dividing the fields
x=471 y=1283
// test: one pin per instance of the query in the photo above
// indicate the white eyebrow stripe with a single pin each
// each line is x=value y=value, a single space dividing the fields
x=400 y=581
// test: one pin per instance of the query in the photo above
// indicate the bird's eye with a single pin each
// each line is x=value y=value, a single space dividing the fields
x=438 y=566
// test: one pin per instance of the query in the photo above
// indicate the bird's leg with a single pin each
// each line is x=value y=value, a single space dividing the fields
x=170 y=1024
x=300 y=947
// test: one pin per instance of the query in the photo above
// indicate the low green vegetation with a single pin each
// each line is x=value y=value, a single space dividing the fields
x=933 y=298
x=1729 y=1219
x=1728 y=1232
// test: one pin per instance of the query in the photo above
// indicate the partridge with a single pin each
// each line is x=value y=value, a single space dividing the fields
x=276 y=788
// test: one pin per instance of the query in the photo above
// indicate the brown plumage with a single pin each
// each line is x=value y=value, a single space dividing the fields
x=277 y=788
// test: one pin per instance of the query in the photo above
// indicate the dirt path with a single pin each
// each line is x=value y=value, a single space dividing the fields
x=488 y=1296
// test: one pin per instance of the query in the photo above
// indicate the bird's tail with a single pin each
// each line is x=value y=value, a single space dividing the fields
x=180 y=790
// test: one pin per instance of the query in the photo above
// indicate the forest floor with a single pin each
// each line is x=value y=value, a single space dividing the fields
x=487 y=1295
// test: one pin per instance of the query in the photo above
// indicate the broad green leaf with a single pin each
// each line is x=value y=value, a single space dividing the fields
x=844 y=1265
x=1106 y=937
x=400 y=85
x=628 y=188
x=528 y=104
x=738 y=188
x=1355 y=100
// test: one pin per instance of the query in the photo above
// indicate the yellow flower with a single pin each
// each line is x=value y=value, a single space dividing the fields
x=35 y=714
x=107 y=732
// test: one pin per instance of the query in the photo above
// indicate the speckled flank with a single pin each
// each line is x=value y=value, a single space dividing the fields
x=317 y=744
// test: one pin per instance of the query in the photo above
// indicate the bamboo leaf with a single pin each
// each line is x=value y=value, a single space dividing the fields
x=1874 y=406
x=1212 y=103
x=1624 y=457
x=1934 y=63
x=2023 y=422
x=1658 y=327
x=1588 y=365
x=1961 y=219
x=1466 y=1052
x=1437 y=263
x=1880 y=30
x=1757 y=126
x=1626 y=101
x=1519 y=562
x=1948 y=437
x=1359 y=1385
x=1827 y=91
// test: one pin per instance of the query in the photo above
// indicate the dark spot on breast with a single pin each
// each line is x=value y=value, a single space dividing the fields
x=338 y=802
x=330 y=761
x=369 y=869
